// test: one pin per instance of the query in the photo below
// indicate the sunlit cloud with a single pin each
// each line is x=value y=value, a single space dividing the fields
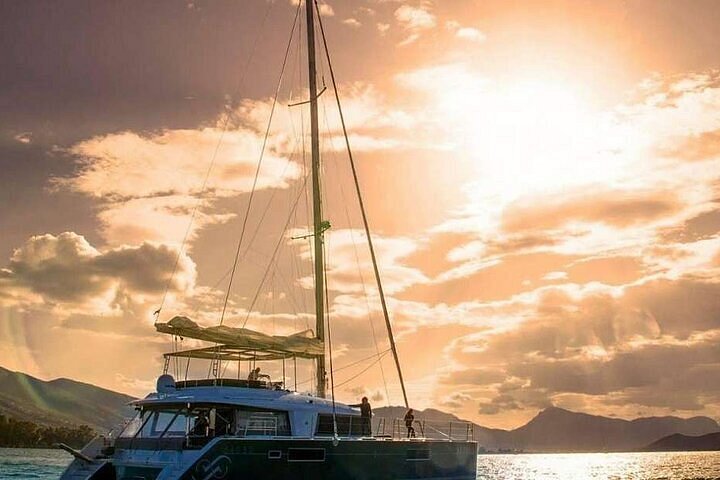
x=24 y=137
x=414 y=20
x=326 y=9
x=466 y=33
x=352 y=22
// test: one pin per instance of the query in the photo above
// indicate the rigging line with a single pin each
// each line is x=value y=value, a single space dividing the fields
x=228 y=116
x=272 y=258
x=267 y=206
x=360 y=373
x=329 y=338
x=257 y=170
x=362 y=210
x=357 y=261
x=350 y=365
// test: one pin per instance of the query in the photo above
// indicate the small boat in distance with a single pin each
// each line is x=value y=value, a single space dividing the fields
x=257 y=428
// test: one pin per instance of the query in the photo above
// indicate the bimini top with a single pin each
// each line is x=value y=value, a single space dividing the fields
x=241 y=343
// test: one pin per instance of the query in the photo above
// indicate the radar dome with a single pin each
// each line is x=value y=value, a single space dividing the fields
x=165 y=384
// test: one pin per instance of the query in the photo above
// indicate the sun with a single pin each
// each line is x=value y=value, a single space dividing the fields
x=530 y=136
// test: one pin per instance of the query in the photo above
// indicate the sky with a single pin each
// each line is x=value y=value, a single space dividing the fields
x=541 y=179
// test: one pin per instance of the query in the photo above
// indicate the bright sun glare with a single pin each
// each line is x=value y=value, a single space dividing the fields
x=528 y=137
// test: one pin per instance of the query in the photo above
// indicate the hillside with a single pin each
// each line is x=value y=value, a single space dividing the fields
x=60 y=402
x=67 y=403
x=558 y=429
x=679 y=442
x=555 y=429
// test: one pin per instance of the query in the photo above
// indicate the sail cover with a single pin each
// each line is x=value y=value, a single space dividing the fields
x=302 y=344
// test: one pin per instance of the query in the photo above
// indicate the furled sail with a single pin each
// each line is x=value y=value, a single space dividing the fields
x=302 y=344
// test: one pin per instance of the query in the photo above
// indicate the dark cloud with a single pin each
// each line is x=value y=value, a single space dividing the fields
x=669 y=375
x=66 y=268
x=475 y=376
x=655 y=345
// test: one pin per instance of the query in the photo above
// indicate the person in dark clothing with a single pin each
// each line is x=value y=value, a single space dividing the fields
x=409 y=419
x=365 y=416
x=254 y=375
x=202 y=423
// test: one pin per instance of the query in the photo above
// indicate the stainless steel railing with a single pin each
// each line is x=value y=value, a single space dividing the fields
x=428 y=429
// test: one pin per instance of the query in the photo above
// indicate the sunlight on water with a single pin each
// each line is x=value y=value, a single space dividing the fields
x=601 y=466
x=49 y=464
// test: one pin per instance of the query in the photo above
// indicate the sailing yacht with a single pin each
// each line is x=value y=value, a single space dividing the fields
x=257 y=428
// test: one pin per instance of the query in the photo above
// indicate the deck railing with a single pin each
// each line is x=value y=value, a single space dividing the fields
x=429 y=429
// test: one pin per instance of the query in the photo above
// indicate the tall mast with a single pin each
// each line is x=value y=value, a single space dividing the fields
x=317 y=200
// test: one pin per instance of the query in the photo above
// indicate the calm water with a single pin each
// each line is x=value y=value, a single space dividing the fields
x=32 y=463
x=48 y=464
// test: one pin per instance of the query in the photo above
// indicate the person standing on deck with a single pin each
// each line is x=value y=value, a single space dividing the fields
x=409 y=419
x=365 y=415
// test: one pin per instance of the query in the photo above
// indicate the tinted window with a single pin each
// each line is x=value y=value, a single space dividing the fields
x=346 y=425
x=306 y=454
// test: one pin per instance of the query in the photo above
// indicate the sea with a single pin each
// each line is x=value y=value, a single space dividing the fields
x=48 y=464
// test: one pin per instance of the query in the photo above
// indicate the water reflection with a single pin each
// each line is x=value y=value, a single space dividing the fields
x=601 y=466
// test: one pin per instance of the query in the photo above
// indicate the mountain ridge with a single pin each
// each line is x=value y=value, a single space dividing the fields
x=680 y=442
x=61 y=401
x=67 y=402
x=555 y=429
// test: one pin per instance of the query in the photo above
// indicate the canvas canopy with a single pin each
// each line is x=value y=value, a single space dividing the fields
x=242 y=341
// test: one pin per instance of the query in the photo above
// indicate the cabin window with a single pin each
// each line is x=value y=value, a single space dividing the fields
x=270 y=423
x=165 y=423
x=133 y=426
x=306 y=454
x=274 y=454
x=347 y=425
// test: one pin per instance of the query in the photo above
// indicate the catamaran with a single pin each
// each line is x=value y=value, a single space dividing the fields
x=256 y=428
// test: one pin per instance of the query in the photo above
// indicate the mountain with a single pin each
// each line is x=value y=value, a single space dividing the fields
x=678 y=442
x=555 y=430
x=60 y=402
x=67 y=403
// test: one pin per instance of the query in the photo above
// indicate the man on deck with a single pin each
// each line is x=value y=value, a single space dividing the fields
x=365 y=415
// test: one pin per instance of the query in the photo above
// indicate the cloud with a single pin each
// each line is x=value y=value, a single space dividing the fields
x=352 y=22
x=131 y=165
x=697 y=147
x=349 y=267
x=651 y=345
x=66 y=270
x=326 y=10
x=465 y=33
x=414 y=20
x=615 y=208
x=24 y=137
x=702 y=226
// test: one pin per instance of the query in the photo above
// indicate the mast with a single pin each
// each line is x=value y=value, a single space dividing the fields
x=317 y=200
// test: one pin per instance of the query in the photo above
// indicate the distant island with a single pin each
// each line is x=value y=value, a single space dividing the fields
x=558 y=430
x=38 y=413
x=679 y=443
